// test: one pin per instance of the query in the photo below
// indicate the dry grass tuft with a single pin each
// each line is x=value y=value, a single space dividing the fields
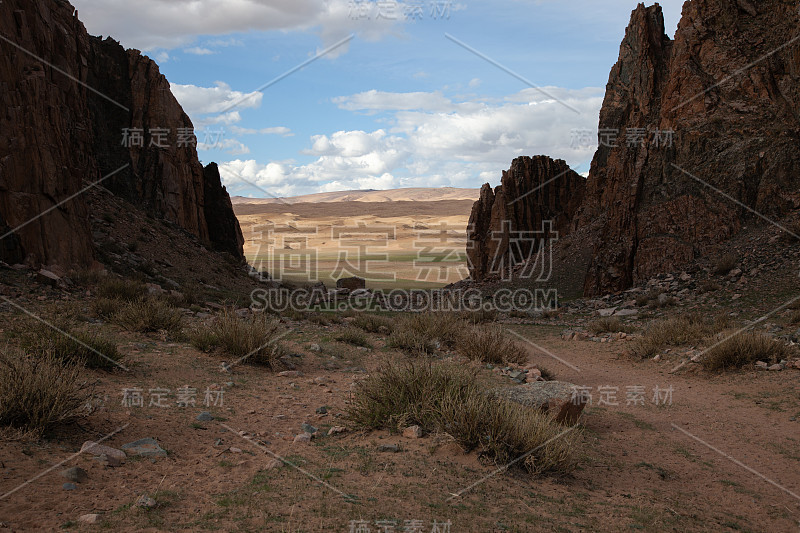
x=724 y=263
x=121 y=289
x=147 y=315
x=353 y=336
x=374 y=323
x=78 y=347
x=38 y=392
x=744 y=349
x=490 y=344
x=255 y=337
x=447 y=398
x=676 y=331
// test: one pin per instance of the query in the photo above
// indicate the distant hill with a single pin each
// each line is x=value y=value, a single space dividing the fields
x=419 y=194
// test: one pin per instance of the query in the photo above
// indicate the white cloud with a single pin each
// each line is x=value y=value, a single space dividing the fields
x=474 y=82
x=374 y=101
x=427 y=146
x=199 y=51
x=168 y=24
x=206 y=100
x=277 y=130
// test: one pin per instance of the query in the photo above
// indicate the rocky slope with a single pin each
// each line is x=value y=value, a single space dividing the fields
x=69 y=99
x=695 y=134
x=506 y=225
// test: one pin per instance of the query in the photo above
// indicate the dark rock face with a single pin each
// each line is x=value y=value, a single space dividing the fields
x=57 y=136
x=507 y=225
x=707 y=131
x=736 y=129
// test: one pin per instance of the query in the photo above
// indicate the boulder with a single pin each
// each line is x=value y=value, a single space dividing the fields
x=351 y=284
x=563 y=401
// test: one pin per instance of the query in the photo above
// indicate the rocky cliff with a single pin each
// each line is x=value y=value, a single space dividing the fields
x=708 y=131
x=507 y=225
x=696 y=134
x=73 y=108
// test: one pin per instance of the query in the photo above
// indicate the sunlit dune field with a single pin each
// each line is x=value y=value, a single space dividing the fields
x=392 y=244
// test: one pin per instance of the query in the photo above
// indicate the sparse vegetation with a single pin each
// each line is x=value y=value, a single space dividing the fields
x=121 y=289
x=479 y=316
x=490 y=344
x=676 y=331
x=411 y=341
x=38 y=391
x=353 y=336
x=724 y=263
x=374 y=323
x=447 y=398
x=743 y=349
x=254 y=337
x=73 y=346
x=147 y=315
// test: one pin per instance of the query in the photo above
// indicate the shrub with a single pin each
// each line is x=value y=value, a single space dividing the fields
x=442 y=327
x=76 y=347
x=609 y=324
x=447 y=398
x=489 y=344
x=709 y=286
x=479 y=316
x=147 y=315
x=353 y=336
x=106 y=308
x=39 y=392
x=122 y=289
x=411 y=341
x=676 y=331
x=254 y=337
x=743 y=349
x=724 y=263
x=374 y=323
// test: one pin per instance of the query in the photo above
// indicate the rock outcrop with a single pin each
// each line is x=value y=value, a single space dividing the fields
x=70 y=100
x=537 y=199
x=695 y=135
x=726 y=92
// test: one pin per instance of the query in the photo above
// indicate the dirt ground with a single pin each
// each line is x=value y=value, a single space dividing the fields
x=665 y=467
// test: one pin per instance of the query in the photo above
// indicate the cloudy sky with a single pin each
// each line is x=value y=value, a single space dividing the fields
x=300 y=96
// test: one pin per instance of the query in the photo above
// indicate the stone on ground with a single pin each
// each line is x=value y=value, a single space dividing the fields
x=559 y=399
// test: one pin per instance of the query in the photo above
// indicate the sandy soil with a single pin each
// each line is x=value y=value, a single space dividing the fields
x=640 y=470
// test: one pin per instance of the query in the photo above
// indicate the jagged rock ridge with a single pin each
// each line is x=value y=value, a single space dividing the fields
x=68 y=99
x=506 y=226
x=707 y=131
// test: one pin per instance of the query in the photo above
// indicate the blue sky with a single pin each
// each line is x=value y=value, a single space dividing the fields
x=400 y=105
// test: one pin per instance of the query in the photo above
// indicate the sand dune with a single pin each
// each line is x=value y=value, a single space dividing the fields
x=418 y=194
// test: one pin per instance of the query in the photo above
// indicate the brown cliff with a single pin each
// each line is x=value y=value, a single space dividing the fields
x=727 y=86
x=68 y=99
x=506 y=225
x=707 y=132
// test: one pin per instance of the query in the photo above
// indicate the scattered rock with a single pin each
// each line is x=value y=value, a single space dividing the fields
x=75 y=474
x=776 y=368
x=69 y=486
x=89 y=518
x=762 y=364
x=273 y=465
x=205 y=416
x=308 y=428
x=107 y=460
x=303 y=437
x=351 y=284
x=412 y=432
x=563 y=401
x=48 y=278
x=322 y=410
x=392 y=448
x=335 y=430
x=146 y=502
x=290 y=374
x=100 y=449
x=234 y=450
x=607 y=312
x=315 y=348
x=145 y=448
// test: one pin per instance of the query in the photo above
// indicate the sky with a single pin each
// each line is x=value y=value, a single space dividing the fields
x=294 y=97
